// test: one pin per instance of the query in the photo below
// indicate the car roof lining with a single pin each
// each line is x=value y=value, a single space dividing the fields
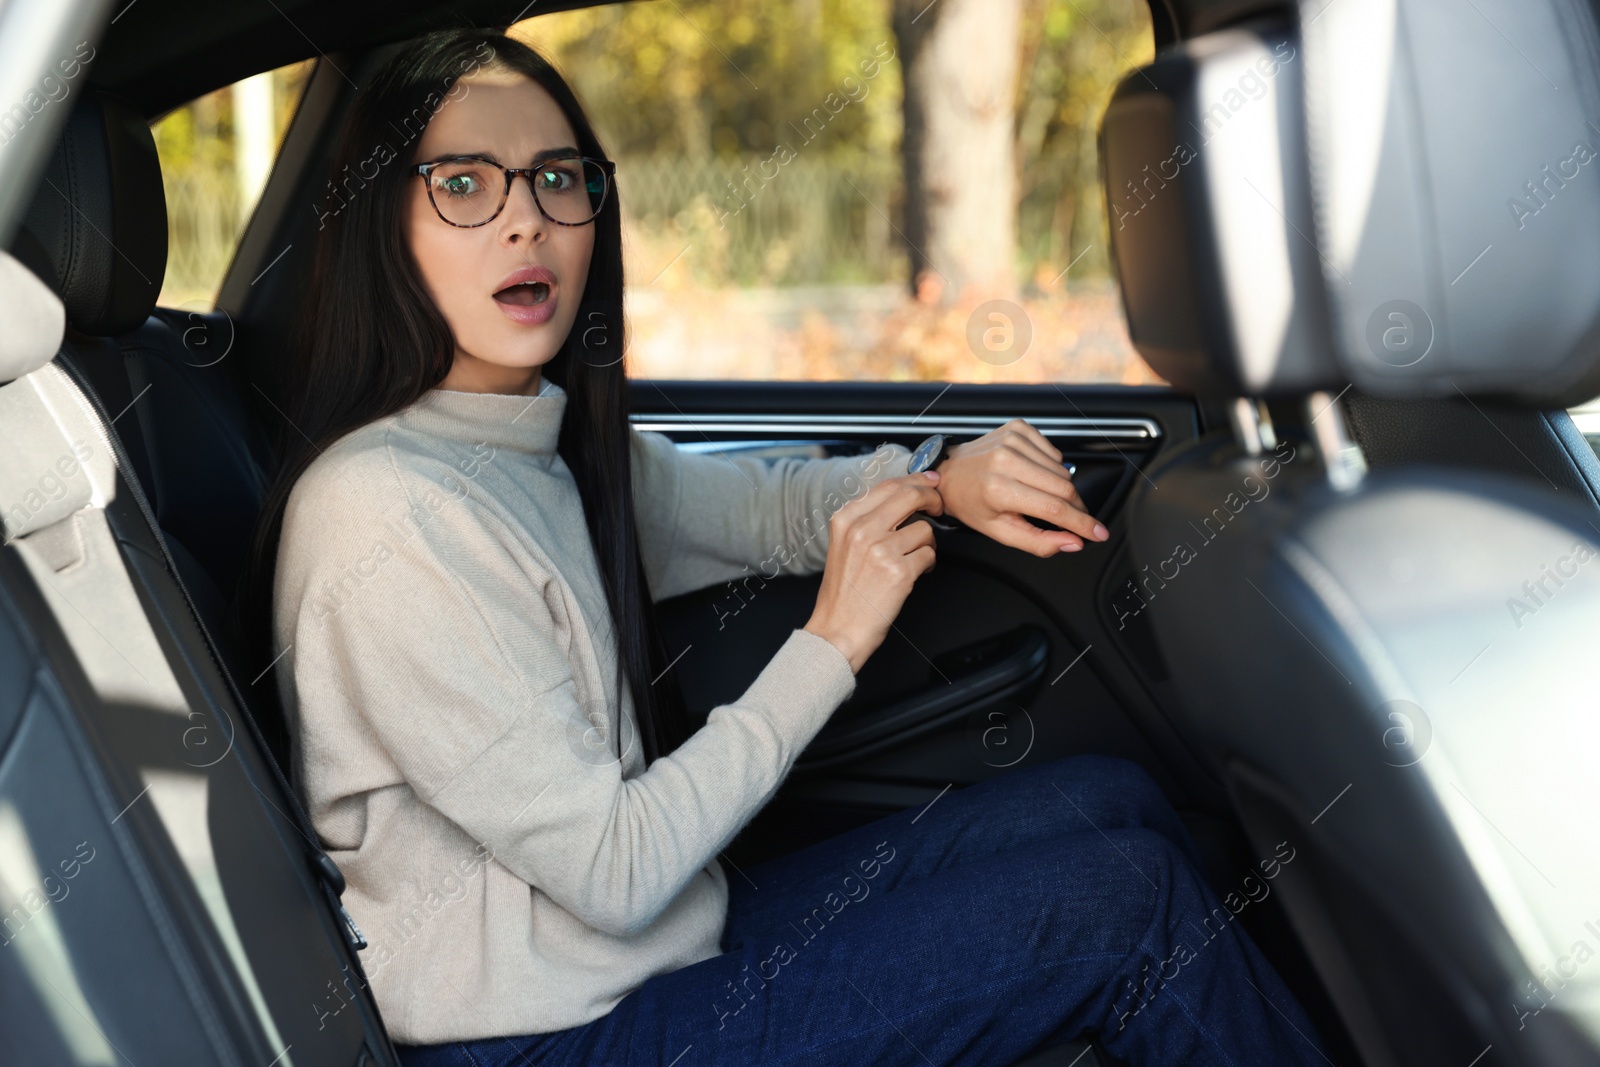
x=159 y=54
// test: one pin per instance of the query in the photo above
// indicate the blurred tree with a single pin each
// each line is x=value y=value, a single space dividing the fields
x=688 y=80
x=959 y=63
x=724 y=77
x=1074 y=53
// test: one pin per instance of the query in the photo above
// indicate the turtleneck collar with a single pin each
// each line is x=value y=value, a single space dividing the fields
x=528 y=424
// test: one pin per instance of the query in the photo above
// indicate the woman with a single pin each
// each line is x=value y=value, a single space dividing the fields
x=485 y=723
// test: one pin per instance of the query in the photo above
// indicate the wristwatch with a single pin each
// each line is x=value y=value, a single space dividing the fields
x=926 y=456
x=929 y=454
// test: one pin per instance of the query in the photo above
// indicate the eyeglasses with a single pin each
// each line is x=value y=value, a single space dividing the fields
x=568 y=191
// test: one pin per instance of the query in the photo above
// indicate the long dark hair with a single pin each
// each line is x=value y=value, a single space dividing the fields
x=362 y=354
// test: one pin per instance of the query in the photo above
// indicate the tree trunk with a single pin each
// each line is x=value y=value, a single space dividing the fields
x=959 y=63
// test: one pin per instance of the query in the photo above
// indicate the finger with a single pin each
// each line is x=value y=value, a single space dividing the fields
x=899 y=498
x=1031 y=432
x=1044 y=475
x=910 y=537
x=1021 y=446
x=888 y=489
x=1018 y=532
x=922 y=559
x=1027 y=500
x=1056 y=482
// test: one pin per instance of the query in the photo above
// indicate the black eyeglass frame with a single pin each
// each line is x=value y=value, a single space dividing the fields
x=608 y=170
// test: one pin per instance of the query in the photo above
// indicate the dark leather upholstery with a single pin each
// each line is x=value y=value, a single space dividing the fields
x=96 y=232
x=1396 y=676
x=1542 y=446
x=1350 y=667
x=200 y=458
x=209 y=459
x=100 y=218
x=1222 y=289
x=1245 y=270
x=1454 y=161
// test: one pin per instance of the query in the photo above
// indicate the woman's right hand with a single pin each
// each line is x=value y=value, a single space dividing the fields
x=873 y=562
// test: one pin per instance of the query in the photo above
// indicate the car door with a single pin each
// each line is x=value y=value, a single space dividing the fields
x=998 y=659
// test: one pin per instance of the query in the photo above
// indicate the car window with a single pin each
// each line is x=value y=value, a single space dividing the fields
x=776 y=230
x=215 y=154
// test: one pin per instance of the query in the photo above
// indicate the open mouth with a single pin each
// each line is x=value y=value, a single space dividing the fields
x=525 y=294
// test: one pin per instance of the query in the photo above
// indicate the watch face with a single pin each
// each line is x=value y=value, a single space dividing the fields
x=926 y=453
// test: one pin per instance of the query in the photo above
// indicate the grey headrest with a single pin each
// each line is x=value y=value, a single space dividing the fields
x=98 y=220
x=1457 y=174
x=34 y=321
x=1404 y=195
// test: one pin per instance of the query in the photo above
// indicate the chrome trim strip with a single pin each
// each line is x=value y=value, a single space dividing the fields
x=746 y=445
x=1053 y=426
x=722 y=448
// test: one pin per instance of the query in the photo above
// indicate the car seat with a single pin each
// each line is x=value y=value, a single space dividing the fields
x=1385 y=662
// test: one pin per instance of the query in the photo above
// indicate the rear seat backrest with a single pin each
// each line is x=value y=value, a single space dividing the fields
x=96 y=232
x=129 y=778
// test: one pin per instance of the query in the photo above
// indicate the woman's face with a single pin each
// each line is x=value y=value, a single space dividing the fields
x=502 y=335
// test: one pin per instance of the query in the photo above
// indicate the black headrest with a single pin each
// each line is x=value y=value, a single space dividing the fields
x=97 y=227
x=1203 y=158
x=1395 y=194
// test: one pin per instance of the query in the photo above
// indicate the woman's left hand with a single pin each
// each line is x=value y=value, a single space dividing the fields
x=993 y=482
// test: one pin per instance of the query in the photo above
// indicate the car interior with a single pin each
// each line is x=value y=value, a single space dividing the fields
x=1299 y=626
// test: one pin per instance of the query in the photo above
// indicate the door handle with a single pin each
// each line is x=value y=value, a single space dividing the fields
x=996 y=668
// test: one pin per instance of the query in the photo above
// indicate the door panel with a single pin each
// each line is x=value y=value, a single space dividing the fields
x=961 y=686
x=999 y=659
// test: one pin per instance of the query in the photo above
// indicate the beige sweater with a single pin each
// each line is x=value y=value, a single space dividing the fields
x=450 y=678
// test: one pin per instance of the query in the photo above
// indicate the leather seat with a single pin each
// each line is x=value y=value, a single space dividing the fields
x=96 y=232
x=1382 y=640
x=1544 y=447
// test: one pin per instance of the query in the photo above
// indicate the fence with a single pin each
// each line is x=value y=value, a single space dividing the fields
x=755 y=221
x=203 y=227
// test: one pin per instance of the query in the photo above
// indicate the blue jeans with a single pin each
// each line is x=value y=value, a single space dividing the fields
x=1048 y=903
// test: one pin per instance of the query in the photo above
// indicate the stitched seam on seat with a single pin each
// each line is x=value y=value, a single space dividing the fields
x=69 y=235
